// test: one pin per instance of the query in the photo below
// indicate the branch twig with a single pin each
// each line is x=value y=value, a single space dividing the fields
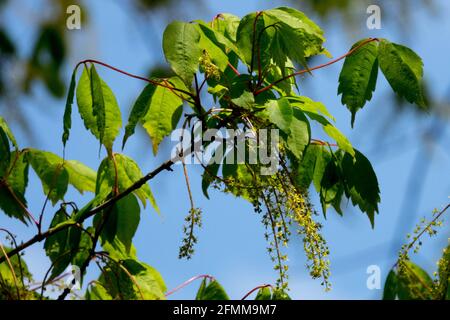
x=187 y=282
x=315 y=68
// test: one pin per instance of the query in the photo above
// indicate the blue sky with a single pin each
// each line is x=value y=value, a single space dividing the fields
x=231 y=244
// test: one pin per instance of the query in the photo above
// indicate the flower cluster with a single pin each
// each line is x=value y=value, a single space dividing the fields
x=192 y=220
x=208 y=67
x=283 y=207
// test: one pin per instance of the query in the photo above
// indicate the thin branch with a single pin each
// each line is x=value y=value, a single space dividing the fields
x=40 y=237
x=188 y=185
x=187 y=282
x=19 y=258
x=156 y=83
x=315 y=68
x=256 y=288
x=13 y=273
x=424 y=230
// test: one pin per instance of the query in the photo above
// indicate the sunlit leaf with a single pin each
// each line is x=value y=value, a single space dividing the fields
x=52 y=173
x=67 y=121
x=211 y=290
x=359 y=76
x=403 y=69
x=390 y=286
x=128 y=172
x=164 y=112
x=104 y=125
x=181 y=49
x=12 y=191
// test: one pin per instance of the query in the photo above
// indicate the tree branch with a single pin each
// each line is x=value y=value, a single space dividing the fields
x=39 y=237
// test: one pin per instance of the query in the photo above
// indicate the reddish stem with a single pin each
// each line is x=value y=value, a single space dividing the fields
x=323 y=143
x=317 y=67
x=234 y=69
x=187 y=282
x=156 y=83
x=254 y=289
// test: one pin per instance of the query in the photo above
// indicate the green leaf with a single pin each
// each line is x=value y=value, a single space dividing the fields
x=68 y=110
x=128 y=172
x=208 y=177
x=264 y=294
x=211 y=45
x=63 y=245
x=181 y=49
x=11 y=275
x=332 y=185
x=358 y=76
x=361 y=183
x=5 y=153
x=292 y=122
x=299 y=136
x=211 y=171
x=280 y=114
x=390 y=286
x=163 y=115
x=130 y=280
x=12 y=191
x=297 y=35
x=211 y=290
x=84 y=247
x=245 y=36
x=148 y=280
x=226 y=24
x=104 y=125
x=240 y=93
x=323 y=157
x=274 y=73
x=56 y=173
x=98 y=103
x=52 y=173
x=444 y=274
x=80 y=176
x=279 y=294
x=8 y=132
x=307 y=168
x=447 y=295
x=339 y=137
x=97 y=292
x=139 y=110
x=120 y=223
x=311 y=107
x=414 y=283
x=403 y=69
